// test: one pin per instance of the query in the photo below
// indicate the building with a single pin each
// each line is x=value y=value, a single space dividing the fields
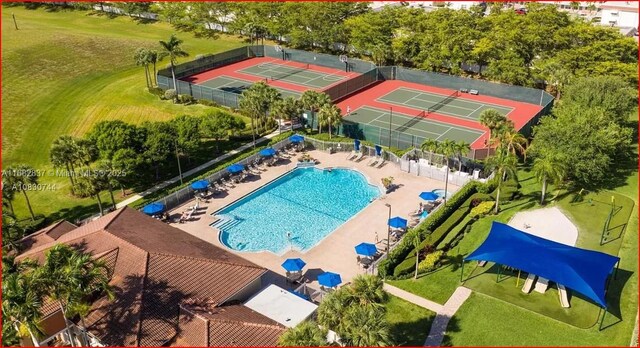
x=163 y=278
x=619 y=14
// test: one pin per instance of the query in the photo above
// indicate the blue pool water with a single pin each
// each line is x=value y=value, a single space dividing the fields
x=309 y=203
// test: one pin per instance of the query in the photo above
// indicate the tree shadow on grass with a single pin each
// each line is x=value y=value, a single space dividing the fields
x=453 y=326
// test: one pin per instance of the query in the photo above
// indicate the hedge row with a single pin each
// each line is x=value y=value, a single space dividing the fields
x=405 y=246
x=437 y=236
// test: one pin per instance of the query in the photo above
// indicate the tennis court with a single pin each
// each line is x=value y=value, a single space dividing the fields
x=449 y=105
x=293 y=72
x=236 y=85
x=413 y=125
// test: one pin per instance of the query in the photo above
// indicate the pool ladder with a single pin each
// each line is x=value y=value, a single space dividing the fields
x=226 y=222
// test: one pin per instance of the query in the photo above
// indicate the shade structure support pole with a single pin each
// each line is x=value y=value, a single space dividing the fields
x=615 y=271
x=602 y=319
x=499 y=272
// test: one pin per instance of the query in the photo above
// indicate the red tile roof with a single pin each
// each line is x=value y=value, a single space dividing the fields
x=46 y=235
x=155 y=267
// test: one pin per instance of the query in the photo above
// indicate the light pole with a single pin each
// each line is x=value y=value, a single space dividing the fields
x=178 y=158
x=390 y=117
x=388 y=227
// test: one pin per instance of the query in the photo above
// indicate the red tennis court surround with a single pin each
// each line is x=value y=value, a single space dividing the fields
x=239 y=70
x=520 y=113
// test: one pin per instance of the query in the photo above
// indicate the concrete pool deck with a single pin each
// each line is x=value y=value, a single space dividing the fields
x=335 y=252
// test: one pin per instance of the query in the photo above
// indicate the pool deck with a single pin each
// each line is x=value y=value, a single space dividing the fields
x=336 y=252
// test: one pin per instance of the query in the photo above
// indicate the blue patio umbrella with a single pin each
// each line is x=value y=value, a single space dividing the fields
x=378 y=150
x=429 y=196
x=268 y=152
x=397 y=222
x=296 y=138
x=356 y=144
x=293 y=265
x=329 y=279
x=235 y=168
x=153 y=208
x=366 y=249
x=200 y=185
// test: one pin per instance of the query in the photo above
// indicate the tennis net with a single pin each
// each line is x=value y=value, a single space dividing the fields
x=443 y=102
x=292 y=70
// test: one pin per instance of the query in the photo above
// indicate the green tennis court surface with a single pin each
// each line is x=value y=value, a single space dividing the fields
x=297 y=73
x=234 y=85
x=439 y=103
x=417 y=126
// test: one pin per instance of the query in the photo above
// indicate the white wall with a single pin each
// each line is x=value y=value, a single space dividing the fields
x=619 y=18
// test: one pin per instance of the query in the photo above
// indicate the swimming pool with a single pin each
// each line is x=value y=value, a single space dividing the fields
x=306 y=203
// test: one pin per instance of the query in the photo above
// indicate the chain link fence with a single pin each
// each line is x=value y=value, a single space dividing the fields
x=320 y=59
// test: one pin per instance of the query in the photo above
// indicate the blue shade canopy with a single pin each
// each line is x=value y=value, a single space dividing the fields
x=296 y=138
x=378 y=150
x=366 y=249
x=329 y=279
x=200 y=185
x=153 y=208
x=429 y=196
x=268 y=152
x=293 y=265
x=356 y=144
x=397 y=222
x=581 y=270
x=235 y=168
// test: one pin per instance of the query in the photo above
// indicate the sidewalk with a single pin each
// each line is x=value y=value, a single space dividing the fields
x=194 y=170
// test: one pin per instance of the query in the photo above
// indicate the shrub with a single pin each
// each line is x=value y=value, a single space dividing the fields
x=482 y=209
x=207 y=102
x=430 y=262
x=170 y=94
x=186 y=99
x=157 y=91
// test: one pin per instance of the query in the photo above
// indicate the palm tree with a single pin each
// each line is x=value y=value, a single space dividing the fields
x=107 y=173
x=313 y=101
x=22 y=299
x=416 y=244
x=546 y=169
x=141 y=57
x=368 y=289
x=63 y=154
x=72 y=278
x=461 y=149
x=256 y=102
x=365 y=326
x=286 y=109
x=152 y=58
x=90 y=186
x=447 y=149
x=502 y=163
x=513 y=141
x=20 y=178
x=431 y=146
x=11 y=233
x=330 y=311
x=172 y=50
x=305 y=334
x=329 y=115
x=493 y=120
x=8 y=195
x=86 y=152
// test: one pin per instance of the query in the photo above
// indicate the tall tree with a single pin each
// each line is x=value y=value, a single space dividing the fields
x=431 y=146
x=329 y=115
x=111 y=136
x=172 y=49
x=614 y=96
x=288 y=109
x=141 y=57
x=159 y=145
x=11 y=233
x=22 y=299
x=512 y=140
x=188 y=134
x=368 y=289
x=313 y=101
x=366 y=326
x=493 y=120
x=8 y=195
x=461 y=149
x=218 y=125
x=22 y=178
x=90 y=184
x=503 y=164
x=548 y=169
x=256 y=102
x=63 y=155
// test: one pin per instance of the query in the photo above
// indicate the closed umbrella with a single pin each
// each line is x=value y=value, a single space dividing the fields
x=329 y=279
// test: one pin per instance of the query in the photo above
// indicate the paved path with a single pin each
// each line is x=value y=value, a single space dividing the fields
x=193 y=171
x=415 y=299
x=439 y=325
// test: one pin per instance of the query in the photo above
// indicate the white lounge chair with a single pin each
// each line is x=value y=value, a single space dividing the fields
x=352 y=155
x=562 y=295
x=528 y=284
x=541 y=285
x=190 y=215
x=374 y=161
x=380 y=163
x=358 y=157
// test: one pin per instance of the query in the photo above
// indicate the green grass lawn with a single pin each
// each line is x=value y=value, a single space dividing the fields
x=410 y=324
x=76 y=69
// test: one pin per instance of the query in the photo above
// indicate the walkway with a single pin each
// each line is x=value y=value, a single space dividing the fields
x=194 y=170
x=443 y=313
